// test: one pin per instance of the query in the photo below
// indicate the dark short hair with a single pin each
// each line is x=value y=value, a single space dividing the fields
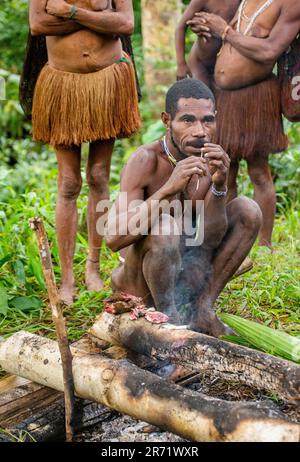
x=186 y=88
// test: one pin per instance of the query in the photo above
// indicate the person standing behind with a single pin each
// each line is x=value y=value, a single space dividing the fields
x=85 y=93
x=248 y=94
x=202 y=59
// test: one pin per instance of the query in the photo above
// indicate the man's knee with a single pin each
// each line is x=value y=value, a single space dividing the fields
x=164 y=239
x=248 y=213
x=69 y=186
x=165 y=231
x=97 y=178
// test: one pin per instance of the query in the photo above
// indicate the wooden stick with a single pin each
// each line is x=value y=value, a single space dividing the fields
x=122 y=386
x=202 y=353
x=60 y=324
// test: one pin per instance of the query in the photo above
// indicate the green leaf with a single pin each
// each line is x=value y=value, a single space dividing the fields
x=3 y=301
x=19 y=271
x=237 y=340
x=25 y=303
x=38 y=273
x=5 y=259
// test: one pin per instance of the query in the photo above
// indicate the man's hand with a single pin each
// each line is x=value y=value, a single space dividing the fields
x=58 y=8
x=182 y=174
x=218 y=164
x=208 y=24
x=183 y=71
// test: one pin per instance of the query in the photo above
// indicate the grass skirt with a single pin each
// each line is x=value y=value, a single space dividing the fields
x=72 y=108
x=249 y=121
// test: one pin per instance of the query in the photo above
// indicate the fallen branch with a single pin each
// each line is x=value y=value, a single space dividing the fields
x=124 y=387
x=60 y=324
x=202 y=353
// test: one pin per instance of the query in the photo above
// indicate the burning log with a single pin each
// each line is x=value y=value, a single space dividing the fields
x=124 y=387
x=202 y=353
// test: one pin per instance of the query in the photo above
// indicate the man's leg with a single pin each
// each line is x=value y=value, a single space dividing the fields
x=98 y=170
x=69 y=185
x=151 y=267
x=264 y=195
x=232 y=180
x=244 y=221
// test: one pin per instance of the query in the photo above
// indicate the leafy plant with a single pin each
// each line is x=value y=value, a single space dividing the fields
x=262 y=337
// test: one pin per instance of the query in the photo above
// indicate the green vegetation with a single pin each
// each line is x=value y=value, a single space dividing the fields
x=264 y=338
x=269 y=294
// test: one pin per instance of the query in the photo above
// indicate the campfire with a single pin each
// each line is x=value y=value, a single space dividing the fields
x=117 y=367
x=111 y=367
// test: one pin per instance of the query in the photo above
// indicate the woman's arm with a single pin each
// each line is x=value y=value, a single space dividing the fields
x=120 y=21
x=264 y=50
x=194 y=7
x=42 y=23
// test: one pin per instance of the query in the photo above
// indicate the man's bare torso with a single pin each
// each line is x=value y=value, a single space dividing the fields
x=85 y=50
x=233 y=70
x=152 y=167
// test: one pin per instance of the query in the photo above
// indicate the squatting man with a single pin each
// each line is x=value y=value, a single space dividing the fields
x=180 y=280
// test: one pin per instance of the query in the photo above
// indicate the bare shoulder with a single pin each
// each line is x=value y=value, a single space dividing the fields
x=142 y=164
x=290 y=9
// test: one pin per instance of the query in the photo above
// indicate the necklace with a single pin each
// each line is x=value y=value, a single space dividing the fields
x=170 y=156
x=252 y=19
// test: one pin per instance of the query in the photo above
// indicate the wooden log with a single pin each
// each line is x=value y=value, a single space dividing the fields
x=48 y=424
x=202 y=353
x=32 y=411
x=124 y=387
x=20 y=403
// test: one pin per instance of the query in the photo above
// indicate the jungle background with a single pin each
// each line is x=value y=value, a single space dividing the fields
x=269 y=294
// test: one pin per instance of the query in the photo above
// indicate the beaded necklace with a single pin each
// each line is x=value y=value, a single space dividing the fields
x=167 y=151
x=252 y=19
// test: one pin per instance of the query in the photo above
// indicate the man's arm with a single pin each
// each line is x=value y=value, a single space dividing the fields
x=42 y=23
x=194 y=7
x=216 y=223
x=135 y=177
x=120 y=21
x=270 y=49
x=264 y=50
x=124 y=211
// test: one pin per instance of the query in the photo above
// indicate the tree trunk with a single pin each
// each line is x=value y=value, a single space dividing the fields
x=159 y=20
x=202 y=353
x=124 y=387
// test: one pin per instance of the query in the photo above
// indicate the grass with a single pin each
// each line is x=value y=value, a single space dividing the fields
x=270 y=293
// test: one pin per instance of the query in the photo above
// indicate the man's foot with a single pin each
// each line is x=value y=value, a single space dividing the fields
x=92 y=277
x=246 y=266
x=67 y=294
x=211 y=325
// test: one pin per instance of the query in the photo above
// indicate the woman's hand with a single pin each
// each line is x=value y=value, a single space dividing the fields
x=183 y=71
x=207 y=23
x=58 y=8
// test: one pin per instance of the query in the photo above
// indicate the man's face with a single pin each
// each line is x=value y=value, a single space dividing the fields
x=193 y=125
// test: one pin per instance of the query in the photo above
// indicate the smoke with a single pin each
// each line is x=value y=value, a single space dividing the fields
x=192 y=281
